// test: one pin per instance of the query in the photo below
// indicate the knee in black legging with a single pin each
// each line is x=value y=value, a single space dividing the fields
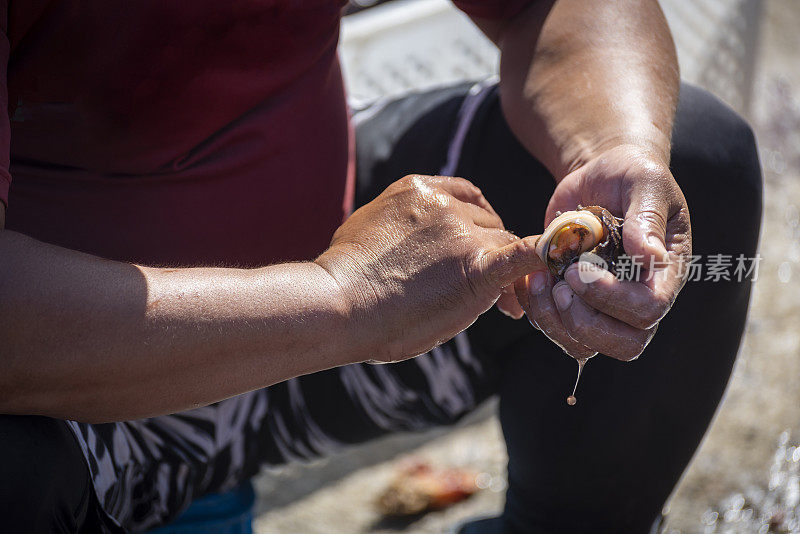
x=715 y=161
x=610 y=467
x=44 y=482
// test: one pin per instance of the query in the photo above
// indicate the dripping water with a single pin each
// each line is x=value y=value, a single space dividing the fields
x=572 y=400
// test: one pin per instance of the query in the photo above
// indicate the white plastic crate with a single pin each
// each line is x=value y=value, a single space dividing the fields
x=418 y=44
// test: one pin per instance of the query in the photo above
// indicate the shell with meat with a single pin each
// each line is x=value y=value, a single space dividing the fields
x=591 y=229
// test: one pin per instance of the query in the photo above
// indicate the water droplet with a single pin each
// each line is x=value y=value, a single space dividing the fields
x=794 y=252
x=572 y=400
x=777 y=163
x=709 y=517
x=792 y=215
x=483 y=480
x=498 y=484
x=785 y=272
x=731 y=516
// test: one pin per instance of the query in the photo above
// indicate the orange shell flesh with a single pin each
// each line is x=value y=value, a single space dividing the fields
x=568 y=240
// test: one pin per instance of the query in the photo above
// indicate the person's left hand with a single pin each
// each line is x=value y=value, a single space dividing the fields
x=616 y=317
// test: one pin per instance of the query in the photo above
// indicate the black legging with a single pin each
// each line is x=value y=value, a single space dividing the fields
x=44 y=482
x=609 y=463
x=605 y=465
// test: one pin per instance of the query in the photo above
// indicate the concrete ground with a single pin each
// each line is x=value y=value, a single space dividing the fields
x=336 y=495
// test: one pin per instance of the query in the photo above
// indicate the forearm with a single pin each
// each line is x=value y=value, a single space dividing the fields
x=96 y=340
x=582 y=76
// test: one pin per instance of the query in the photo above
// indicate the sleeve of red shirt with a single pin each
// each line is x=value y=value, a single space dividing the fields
x=5 y=126
x=492 y=9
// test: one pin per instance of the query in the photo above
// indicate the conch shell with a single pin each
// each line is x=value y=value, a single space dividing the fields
x=588 y=229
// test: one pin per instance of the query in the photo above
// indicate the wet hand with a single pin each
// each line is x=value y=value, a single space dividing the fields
x=421 y=262
x=594 y=311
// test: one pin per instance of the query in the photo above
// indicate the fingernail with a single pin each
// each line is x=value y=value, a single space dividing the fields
x=654 y=242
x=538 y=281
x=583 y=273
x=562 y=294
x=574 y=279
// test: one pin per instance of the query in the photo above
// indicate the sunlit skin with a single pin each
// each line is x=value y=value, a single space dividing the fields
x=588 y=87
x=152 y=340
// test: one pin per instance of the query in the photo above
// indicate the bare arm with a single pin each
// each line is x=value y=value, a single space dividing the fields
x=590 y=89
x=580 y=76
x=96 y=340
x=93 y=339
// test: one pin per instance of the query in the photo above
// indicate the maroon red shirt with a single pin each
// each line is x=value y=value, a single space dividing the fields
x=179 y=132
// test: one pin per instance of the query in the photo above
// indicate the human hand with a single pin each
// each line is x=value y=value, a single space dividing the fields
x=421 y=262
x=615 y=317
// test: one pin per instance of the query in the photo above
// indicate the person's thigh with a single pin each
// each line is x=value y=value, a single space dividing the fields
x=609 y=463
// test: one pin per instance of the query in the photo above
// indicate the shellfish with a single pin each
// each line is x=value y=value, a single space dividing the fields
x=590 y=229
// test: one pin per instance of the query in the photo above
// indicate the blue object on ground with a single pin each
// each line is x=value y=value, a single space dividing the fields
x=217 y=513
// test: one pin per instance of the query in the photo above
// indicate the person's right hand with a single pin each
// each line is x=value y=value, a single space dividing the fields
x=421 y=262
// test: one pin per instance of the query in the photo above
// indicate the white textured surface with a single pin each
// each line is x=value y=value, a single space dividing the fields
x=411 y=45
x=418 y=44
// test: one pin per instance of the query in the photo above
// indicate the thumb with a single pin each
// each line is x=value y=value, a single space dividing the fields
x=645 y=228
x=502 y=266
